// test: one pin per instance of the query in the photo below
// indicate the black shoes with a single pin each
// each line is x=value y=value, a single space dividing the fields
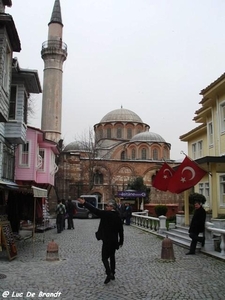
x=109 y=277
x=190 y=253
x=107 y=280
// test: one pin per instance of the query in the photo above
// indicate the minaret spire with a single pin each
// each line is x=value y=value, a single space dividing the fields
x=54 y=53
x=56 y=13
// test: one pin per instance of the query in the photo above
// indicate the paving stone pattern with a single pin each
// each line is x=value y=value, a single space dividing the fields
x=79 y=274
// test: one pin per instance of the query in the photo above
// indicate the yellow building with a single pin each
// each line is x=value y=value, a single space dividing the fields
x=206 y=145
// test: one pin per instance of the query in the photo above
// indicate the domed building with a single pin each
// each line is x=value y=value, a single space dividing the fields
x=121 y=134
x=124 y=149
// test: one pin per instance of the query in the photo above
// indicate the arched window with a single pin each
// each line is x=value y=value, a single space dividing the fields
x=100 y=133
x=133 y=154
x=155 y=154
x=108 y=133
x=165 y=153
x=122 y=155
x=119 y=133
x=143 y=153
x=129 y=133
x=98 y=178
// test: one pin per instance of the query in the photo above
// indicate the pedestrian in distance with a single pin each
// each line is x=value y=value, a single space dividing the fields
x=60 y=214
x=197 y=225
x=110 y=231
x=70 y=211
x=120 y=208
x=127 y=213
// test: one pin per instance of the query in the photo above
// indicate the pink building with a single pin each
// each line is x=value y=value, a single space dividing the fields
x=35 y=160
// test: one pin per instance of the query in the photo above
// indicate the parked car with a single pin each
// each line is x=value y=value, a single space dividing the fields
x=81 y=211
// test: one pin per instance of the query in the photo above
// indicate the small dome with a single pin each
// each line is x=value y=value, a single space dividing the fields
x=121 y=114
x=147 y=137
x=75 y=146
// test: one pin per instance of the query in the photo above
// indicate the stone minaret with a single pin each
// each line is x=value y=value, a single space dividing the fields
x=54 y=53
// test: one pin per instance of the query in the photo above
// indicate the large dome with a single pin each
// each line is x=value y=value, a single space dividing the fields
x=121 y=114
x=76 y=145
x=147 y=136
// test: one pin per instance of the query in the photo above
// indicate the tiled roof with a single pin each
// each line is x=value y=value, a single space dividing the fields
x=214 y=83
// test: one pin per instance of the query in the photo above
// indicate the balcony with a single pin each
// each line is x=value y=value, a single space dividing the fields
x=15 y=132
x=54 y=47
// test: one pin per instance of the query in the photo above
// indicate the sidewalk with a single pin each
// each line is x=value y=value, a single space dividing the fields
x=79 y=274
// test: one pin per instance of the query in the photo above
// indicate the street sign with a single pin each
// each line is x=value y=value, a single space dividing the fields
x=129 y=194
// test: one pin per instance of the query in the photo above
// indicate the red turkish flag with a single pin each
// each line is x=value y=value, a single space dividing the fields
x=187 y=175
x=162 y=178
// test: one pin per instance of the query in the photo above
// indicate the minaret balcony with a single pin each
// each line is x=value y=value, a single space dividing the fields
x=54 y=47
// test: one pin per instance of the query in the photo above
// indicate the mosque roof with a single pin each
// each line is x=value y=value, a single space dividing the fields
x=121 y=114
x=76 y=145
x=147 y=136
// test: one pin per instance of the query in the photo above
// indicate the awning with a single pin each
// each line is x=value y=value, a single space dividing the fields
x=39 y=193
x=8 y=183
x=206 y=163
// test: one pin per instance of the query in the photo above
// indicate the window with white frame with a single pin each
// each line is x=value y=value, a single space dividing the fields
x=133 y=154
x=204 y=190
x=24 y=154
x=222 y=116
x=194 y=150
x=197 y=149
x=210 y=133
x=42 y=155
x=222 y=191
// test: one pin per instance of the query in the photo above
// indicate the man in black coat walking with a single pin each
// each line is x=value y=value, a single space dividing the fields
x=110 y=231
x=197 y=226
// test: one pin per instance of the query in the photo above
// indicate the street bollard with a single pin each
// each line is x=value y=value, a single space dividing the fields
x=52 y=251
x=167 y=249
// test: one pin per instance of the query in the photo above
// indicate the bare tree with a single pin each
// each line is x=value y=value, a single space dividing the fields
x=87 y=144
x=30 y=108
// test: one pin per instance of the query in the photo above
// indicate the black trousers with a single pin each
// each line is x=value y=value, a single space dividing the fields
x=59 y=222
x=108 y=257
x=195 y=238
x=70 y=222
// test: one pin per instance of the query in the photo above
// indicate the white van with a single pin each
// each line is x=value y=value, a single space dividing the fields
x=83 y=212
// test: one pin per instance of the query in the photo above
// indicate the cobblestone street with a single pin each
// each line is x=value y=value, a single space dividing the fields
x=79 y=274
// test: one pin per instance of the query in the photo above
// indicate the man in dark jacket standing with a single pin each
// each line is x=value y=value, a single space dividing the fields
x=197 y=225
x=70 y=211
x=110 y=231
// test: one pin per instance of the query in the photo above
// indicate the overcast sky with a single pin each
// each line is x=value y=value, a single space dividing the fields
x=152 y=57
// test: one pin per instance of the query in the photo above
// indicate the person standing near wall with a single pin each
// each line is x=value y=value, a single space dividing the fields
x=197 y=225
